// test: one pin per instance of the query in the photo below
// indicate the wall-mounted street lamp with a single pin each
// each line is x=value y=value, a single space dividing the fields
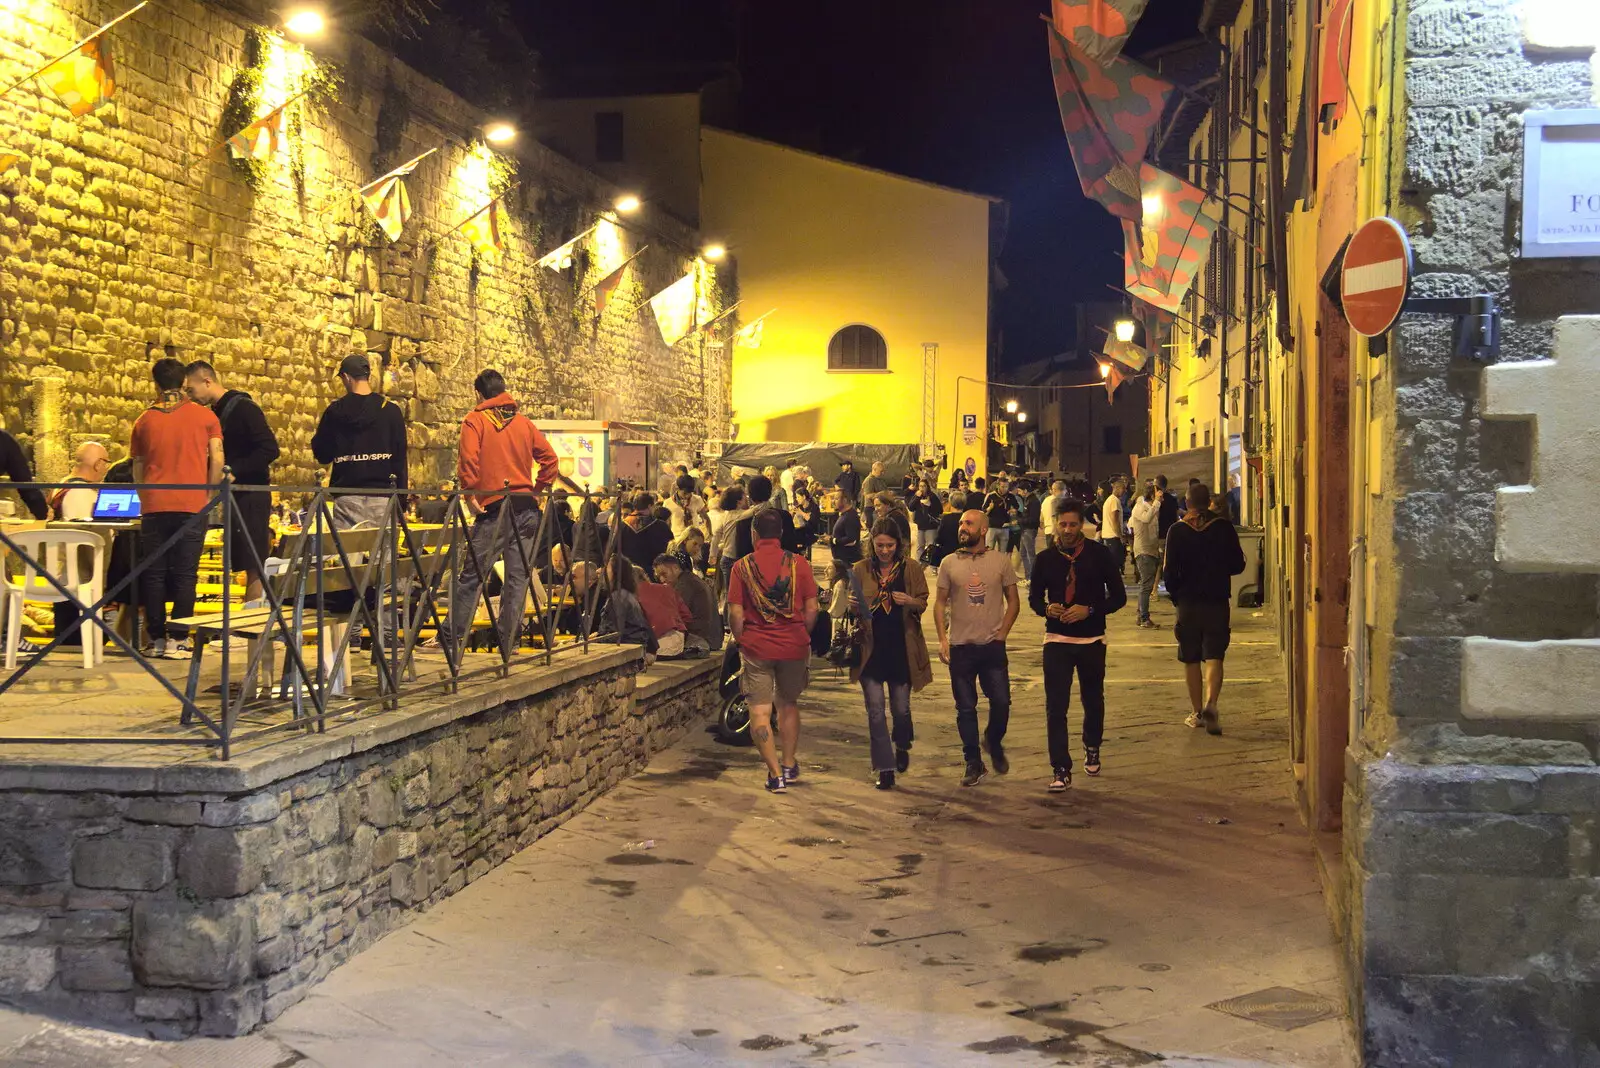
x=500 y=133
x=1011 y=407
x=714 y=252
x=1124 y=329
x=305 y=22
x=627 y=204
x=1022 y=417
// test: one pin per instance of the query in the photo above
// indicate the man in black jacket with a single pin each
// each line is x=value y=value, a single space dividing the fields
x=760 y=492
x=248 y=448
x=1169 y=509
x=363 y=436
x=848 y=483
x=14 y=466
x=1076 y=585
x=1203 y=555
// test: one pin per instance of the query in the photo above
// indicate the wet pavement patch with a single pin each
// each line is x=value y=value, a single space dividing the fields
x=615 y=887
x=909 y=862
x=984 y=1005
x=885 y=892
x=764 y=1042
x=640 y=859
x=881 y=932
x=699 y=769
x=810 y=842
x=1050 y=952
x=1155 y=967
x=703 y=1032
x=704 y=972
x=837 y=914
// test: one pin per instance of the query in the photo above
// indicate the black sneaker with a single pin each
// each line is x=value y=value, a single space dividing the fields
x=1061 y=781
x=775 y=784
x=997 y=755
x=902 y=760
x=1091 y=760
x=976 y=773
x=1211 y=721
x=886 y=780
x=791 y=774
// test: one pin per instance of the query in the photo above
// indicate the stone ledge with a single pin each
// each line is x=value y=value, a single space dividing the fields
x=293 y=754
x=663 y=676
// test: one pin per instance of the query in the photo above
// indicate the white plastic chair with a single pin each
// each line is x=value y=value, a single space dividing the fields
x=59 y=550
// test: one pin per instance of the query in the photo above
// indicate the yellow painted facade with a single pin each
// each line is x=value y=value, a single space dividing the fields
x=1308 y=454
x=824 y=244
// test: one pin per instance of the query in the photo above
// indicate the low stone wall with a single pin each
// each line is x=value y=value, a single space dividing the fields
x=180 y=911
x=1477 y=936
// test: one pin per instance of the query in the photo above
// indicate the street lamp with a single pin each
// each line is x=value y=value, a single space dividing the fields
x=1011 y=407
x=1022 y=417
x=715 y=253
x=1124 y=329
x=305 y=22
x=500 y=133
x=628 y=203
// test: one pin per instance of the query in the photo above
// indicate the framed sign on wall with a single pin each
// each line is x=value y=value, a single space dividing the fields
x=1561 y=183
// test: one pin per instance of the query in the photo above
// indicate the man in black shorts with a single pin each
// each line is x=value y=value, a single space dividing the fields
x=248 y=449
x=1203 y=555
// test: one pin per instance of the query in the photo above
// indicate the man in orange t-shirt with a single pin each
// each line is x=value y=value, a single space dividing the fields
x=177 y=443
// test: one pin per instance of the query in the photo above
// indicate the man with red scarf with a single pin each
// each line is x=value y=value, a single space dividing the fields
x=772 y=599
x=1076 y=584
x=1203 y=555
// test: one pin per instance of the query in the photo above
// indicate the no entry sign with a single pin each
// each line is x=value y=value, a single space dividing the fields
x=1376 y=276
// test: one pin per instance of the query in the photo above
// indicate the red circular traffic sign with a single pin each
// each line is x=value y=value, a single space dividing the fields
x=1376 y=276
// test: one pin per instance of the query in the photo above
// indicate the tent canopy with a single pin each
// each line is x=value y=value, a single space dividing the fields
x=823 y=458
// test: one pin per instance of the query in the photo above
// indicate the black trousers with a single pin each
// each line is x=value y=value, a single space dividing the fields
x=172 y=575
x=1061 y=659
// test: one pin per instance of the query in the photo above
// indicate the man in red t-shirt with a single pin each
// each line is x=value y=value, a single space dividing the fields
x=772 y=598
x=175 y=442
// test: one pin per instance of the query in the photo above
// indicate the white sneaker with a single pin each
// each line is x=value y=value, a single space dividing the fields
x=155 y=649
x=179 y=650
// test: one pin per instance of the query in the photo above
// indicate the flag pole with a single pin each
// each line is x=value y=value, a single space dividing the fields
x=498 y=197
x=407 y=167
x=40 y=70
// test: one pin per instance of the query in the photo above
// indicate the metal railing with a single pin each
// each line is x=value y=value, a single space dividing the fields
x=393 y=574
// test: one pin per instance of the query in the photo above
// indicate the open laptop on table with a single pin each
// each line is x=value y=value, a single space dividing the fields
x=116 y=504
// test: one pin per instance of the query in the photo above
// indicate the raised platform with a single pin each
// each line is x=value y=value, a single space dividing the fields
x=161 y=888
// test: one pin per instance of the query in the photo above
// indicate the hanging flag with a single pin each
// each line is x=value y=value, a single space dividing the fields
x=1334 y=92
x=607 y=285
x=1109 y=113
x=560 y=259
x=1163 y=253
x=483 y=228
x=1157 y=325
x=262 y=139
x=82 y=80
x=1097 y=27
x=8 y=159
x=386 y=198
x=749 y=335
x=675 y=307
x=1113 y=380
x=1127 y=353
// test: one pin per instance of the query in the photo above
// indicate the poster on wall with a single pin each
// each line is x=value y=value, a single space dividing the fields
x=581 y=457
x=1561 y=183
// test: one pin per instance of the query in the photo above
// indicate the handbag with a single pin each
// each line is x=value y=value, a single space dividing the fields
x=846 y=650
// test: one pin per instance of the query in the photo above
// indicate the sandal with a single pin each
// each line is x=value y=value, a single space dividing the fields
x=1091 y=760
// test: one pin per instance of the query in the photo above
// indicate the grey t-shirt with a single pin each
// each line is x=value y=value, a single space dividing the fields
x=975 y=587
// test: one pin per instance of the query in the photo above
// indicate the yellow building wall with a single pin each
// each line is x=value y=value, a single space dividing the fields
x=824 y=244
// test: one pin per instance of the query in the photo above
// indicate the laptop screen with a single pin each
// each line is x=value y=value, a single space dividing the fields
x=116 y=503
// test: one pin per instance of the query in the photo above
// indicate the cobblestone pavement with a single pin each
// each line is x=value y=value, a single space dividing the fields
x=690 y=918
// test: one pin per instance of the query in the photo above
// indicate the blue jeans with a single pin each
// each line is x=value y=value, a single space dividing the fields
x=1149 y=567
x=1029 y=547
x=883 y=742
x=972 y=666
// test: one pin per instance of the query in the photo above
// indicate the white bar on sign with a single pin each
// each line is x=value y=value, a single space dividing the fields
x=1389 y=274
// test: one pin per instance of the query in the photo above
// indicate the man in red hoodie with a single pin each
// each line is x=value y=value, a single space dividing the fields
x=499 y=448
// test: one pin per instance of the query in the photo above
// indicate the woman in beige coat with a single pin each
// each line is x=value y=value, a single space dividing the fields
x=894 y=654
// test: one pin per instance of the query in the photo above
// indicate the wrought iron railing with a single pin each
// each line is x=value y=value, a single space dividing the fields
x=393 y=576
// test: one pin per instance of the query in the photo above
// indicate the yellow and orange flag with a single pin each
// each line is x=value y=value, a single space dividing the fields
x=386 y=198
x=82 y=80
x=9 y=158
x=262 y=139
x=608 y=285
x=484 y=228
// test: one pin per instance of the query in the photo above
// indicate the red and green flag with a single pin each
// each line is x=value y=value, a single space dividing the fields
x=1164 y=251
x=1109 y=113
x=1097 y=27
x=1157 y=325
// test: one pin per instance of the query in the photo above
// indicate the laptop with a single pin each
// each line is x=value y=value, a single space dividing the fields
x=116 y=504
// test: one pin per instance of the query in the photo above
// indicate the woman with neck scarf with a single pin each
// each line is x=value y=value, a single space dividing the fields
x=894 y=654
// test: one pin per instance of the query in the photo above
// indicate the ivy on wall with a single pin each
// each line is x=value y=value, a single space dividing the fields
x=244 y=97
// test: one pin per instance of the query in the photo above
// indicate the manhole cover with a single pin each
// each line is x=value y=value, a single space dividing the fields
x=1279 y=1007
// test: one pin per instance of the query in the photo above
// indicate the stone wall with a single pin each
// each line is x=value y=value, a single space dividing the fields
x=121 y=235
x=184 y=912
x=1470 y=852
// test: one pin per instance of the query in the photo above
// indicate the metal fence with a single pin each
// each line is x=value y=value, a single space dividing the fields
x=329 y=581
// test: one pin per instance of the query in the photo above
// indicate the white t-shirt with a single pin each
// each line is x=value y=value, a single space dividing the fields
x=1111 y=518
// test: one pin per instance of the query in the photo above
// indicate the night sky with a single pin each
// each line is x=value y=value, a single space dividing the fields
x=951 y=91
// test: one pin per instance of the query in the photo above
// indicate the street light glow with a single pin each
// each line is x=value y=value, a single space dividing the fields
x=1105 y=370
x=1124 y=329
x=1022 y=417
x=499 y=133
x=715 y=252
x=1011 y=407
x=627 y=204
x=305 y=22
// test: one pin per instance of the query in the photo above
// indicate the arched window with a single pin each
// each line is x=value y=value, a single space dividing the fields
x=858 y=348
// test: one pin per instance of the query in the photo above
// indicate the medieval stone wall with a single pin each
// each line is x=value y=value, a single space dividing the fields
x=1469 y=838
x=127 y=232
